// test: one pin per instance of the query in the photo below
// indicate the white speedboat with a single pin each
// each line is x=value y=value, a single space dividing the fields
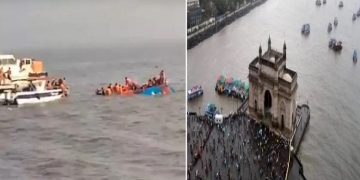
x=27 y=82
x=33 y=94
x=34 y=97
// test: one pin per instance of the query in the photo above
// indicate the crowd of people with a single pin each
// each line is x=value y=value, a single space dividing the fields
x=131 y=86
x=58 y=84
x=239 y=148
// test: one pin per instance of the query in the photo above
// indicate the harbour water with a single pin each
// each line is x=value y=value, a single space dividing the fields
x=84 y=136
x=327 y=80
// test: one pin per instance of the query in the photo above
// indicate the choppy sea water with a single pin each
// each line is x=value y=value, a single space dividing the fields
x=328 y=81
x=84 y=136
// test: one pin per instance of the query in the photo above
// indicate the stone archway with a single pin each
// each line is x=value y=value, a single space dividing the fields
x=267 y=101
x=282 y=112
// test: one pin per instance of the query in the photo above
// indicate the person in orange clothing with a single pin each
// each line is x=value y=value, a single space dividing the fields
x=114 y=88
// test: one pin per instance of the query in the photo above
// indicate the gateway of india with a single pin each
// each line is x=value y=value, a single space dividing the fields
x=273 y=90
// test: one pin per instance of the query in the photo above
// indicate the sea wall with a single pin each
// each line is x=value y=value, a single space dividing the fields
x=196 y=37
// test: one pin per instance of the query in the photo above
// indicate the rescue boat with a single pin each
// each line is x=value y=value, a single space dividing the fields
x=27 y=82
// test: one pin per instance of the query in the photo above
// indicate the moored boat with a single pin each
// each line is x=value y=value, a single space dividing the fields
x=195 y=92
x=211 y=110
x=231 y=87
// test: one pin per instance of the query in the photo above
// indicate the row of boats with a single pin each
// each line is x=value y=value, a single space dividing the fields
x=318 y=3
x=26 y=82
x=224 y=86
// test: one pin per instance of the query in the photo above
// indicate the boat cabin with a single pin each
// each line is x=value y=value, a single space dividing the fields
x=20 y=68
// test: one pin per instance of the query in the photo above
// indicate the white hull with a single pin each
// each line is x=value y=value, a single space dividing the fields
x=37 y=100
x=32 y=97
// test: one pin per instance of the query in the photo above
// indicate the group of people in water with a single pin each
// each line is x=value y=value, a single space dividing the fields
x=4 y=75
x=131 y=87
x=58 y=84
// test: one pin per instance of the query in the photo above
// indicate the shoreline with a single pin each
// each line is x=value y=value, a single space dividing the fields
x=222 y=21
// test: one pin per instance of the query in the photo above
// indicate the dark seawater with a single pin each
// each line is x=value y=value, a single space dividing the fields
x=93 y=43
x=328 y=81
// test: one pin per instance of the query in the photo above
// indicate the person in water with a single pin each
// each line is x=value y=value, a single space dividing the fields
x=65 y=83
x=162 y=79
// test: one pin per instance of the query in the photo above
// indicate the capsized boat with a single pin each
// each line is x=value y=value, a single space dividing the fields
x=335 y=21
x=335 y=45
x=305 y=29
x=195 y=92
x=355 y=56
x=160 y=90
x=329 y=29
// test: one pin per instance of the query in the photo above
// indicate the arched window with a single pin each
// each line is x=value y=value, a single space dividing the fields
x=267 y=101
x=256 y=106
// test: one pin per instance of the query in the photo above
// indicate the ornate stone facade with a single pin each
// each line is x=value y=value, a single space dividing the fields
x=273 y=89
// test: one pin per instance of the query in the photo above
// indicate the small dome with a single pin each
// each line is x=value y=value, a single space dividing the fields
x=272 y=59
x=287 y=77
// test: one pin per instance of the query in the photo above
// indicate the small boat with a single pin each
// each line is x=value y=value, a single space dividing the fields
x=329 y=27
x=195 y=92
x=231 y=87
x=305 y=29
x=341 y=4
x=335 y=21
x=211 y=110
x=355 y=56
x=324 y=1
x=335 y=45
x=354 y=17
x=358 y=13
x=318 y=2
